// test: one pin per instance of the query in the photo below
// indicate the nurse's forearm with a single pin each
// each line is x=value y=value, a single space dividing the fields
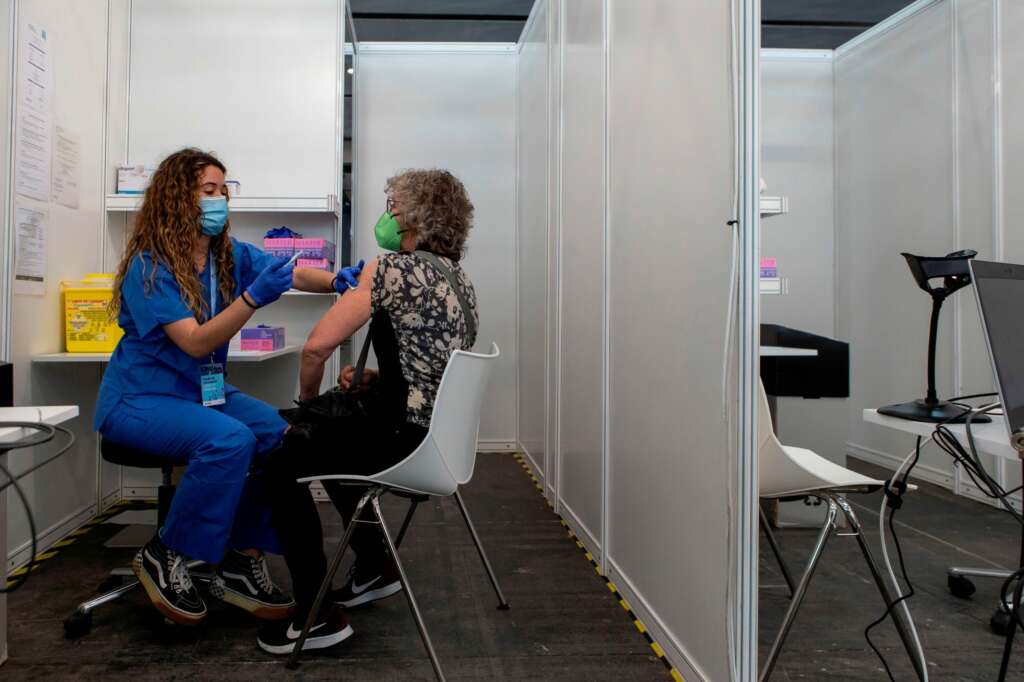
x=315 y=281
x=200 y=340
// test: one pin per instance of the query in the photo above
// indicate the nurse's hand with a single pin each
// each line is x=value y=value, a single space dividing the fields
x=275 y=279
x=348 y=374
x=348 y=278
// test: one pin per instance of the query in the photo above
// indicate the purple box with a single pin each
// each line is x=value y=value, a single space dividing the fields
x=315 y=248
x=263 y=337
x=315 y=263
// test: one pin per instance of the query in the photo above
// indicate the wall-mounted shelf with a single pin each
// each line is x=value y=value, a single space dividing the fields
x=296 y=292
x=126 y=203
x=233 y=354
x=774 y=206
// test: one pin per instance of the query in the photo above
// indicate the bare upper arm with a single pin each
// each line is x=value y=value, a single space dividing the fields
x=345 y=317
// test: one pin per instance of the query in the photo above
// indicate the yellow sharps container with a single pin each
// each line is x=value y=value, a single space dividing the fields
x=87 y=324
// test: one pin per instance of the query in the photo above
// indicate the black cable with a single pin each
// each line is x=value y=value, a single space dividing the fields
x=895 y=502
x=1015 y=617
x=20 y=580
x=44 y=434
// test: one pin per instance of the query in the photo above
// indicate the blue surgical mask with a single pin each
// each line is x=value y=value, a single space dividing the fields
x=215 y=214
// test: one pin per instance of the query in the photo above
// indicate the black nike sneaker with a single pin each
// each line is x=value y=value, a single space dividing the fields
x=329 y=629
x=368 y=583
x=164 y=575
x=245 y=581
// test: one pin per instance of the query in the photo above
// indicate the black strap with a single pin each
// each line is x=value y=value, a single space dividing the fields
x=360 y=368
x=454 y=284
x=357 y=375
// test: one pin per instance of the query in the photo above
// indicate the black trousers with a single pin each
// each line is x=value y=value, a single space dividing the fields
x=348 y=446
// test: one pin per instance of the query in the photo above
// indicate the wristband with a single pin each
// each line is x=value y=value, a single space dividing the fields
x=247 y=302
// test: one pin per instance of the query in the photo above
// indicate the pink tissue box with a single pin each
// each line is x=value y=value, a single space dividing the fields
x=280 y=247
x=315 y=263
x=263 y=337
x=315 y=248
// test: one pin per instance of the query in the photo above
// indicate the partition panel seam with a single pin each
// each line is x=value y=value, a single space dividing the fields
x=8 y=193
x=606 y=302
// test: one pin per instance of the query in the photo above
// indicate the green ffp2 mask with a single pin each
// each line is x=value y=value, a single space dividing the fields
x=388 y=232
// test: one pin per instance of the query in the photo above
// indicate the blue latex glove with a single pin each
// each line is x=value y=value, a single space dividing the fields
x=348 y=278
x=275 y=279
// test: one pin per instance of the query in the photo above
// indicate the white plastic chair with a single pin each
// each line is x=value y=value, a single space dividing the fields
x=442 y=462
x=786 y=471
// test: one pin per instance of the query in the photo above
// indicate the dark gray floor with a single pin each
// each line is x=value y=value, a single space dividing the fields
x=936 y=529
x=563 y=625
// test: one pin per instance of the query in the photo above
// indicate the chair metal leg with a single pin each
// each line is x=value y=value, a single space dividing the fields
x=502 y=602
x=801 y=590
x=766 y=527
x=370 y=495
x=408 y=592
x=883 y=587
x=405 y=522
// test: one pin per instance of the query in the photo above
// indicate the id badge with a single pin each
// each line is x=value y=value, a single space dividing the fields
x=211 y=381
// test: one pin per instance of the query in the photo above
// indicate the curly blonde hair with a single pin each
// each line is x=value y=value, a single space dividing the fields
x=168 y=227
x=434 y=204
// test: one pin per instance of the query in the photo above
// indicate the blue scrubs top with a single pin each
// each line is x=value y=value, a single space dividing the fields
x=146 y=360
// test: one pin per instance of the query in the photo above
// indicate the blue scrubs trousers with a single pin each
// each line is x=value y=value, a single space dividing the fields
x=218 y=503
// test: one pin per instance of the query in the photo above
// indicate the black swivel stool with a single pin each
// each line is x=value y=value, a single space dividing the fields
x=113 y=588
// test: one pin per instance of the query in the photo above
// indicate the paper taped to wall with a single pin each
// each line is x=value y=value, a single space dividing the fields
x=29 y=251
x=65 y=168
x=33 y=115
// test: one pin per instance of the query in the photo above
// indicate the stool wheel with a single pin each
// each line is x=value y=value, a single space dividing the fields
x=110 y=584
x=960 y=587
x=78 y=625
x=1000 y=622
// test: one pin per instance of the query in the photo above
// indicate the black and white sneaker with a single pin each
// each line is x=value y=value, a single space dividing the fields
x=245 y=581
x=163 y=573
x=368 y=583
x=330 y=629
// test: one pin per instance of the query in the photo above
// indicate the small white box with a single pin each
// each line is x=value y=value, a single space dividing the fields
x=234 y=187
x=133 y=179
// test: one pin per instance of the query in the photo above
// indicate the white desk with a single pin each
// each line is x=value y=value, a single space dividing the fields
x=991 y=439
x=54 y=414
x=787 y=351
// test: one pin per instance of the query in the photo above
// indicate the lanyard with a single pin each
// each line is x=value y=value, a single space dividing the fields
x=213 y=284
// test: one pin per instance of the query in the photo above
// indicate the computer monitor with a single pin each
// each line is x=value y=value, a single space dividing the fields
x=999 y=289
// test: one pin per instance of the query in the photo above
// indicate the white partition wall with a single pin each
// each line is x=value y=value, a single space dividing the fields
x=64 y=493
x=581 y=405
x=532 y=187
x=928 y=148
x=623 y=201
x=450 y=106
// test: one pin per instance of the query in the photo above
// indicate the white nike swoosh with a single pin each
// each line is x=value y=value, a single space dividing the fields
x=359 y=589
x=294 y=634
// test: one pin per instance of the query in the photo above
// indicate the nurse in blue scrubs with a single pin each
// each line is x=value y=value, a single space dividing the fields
x=183 y=289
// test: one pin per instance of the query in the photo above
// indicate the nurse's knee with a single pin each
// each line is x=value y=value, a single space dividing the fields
x=234 y=445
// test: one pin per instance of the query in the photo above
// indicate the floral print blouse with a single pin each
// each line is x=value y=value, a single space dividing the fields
x=428 y=321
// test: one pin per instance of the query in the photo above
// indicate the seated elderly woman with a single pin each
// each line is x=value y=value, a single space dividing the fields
x=416 y=322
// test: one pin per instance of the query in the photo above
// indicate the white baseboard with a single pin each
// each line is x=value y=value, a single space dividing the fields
x=674 y=650
x=20 y=555
x=537 y=471
x=140 y=492
x=581 y=531
x=496 y=446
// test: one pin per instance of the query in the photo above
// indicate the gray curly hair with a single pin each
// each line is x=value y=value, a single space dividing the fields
x=436 y=206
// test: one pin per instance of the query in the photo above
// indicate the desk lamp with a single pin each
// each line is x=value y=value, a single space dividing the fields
x=955 y=274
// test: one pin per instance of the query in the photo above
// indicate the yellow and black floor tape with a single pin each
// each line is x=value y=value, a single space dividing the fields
x=655 y=647
x=69 y=540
